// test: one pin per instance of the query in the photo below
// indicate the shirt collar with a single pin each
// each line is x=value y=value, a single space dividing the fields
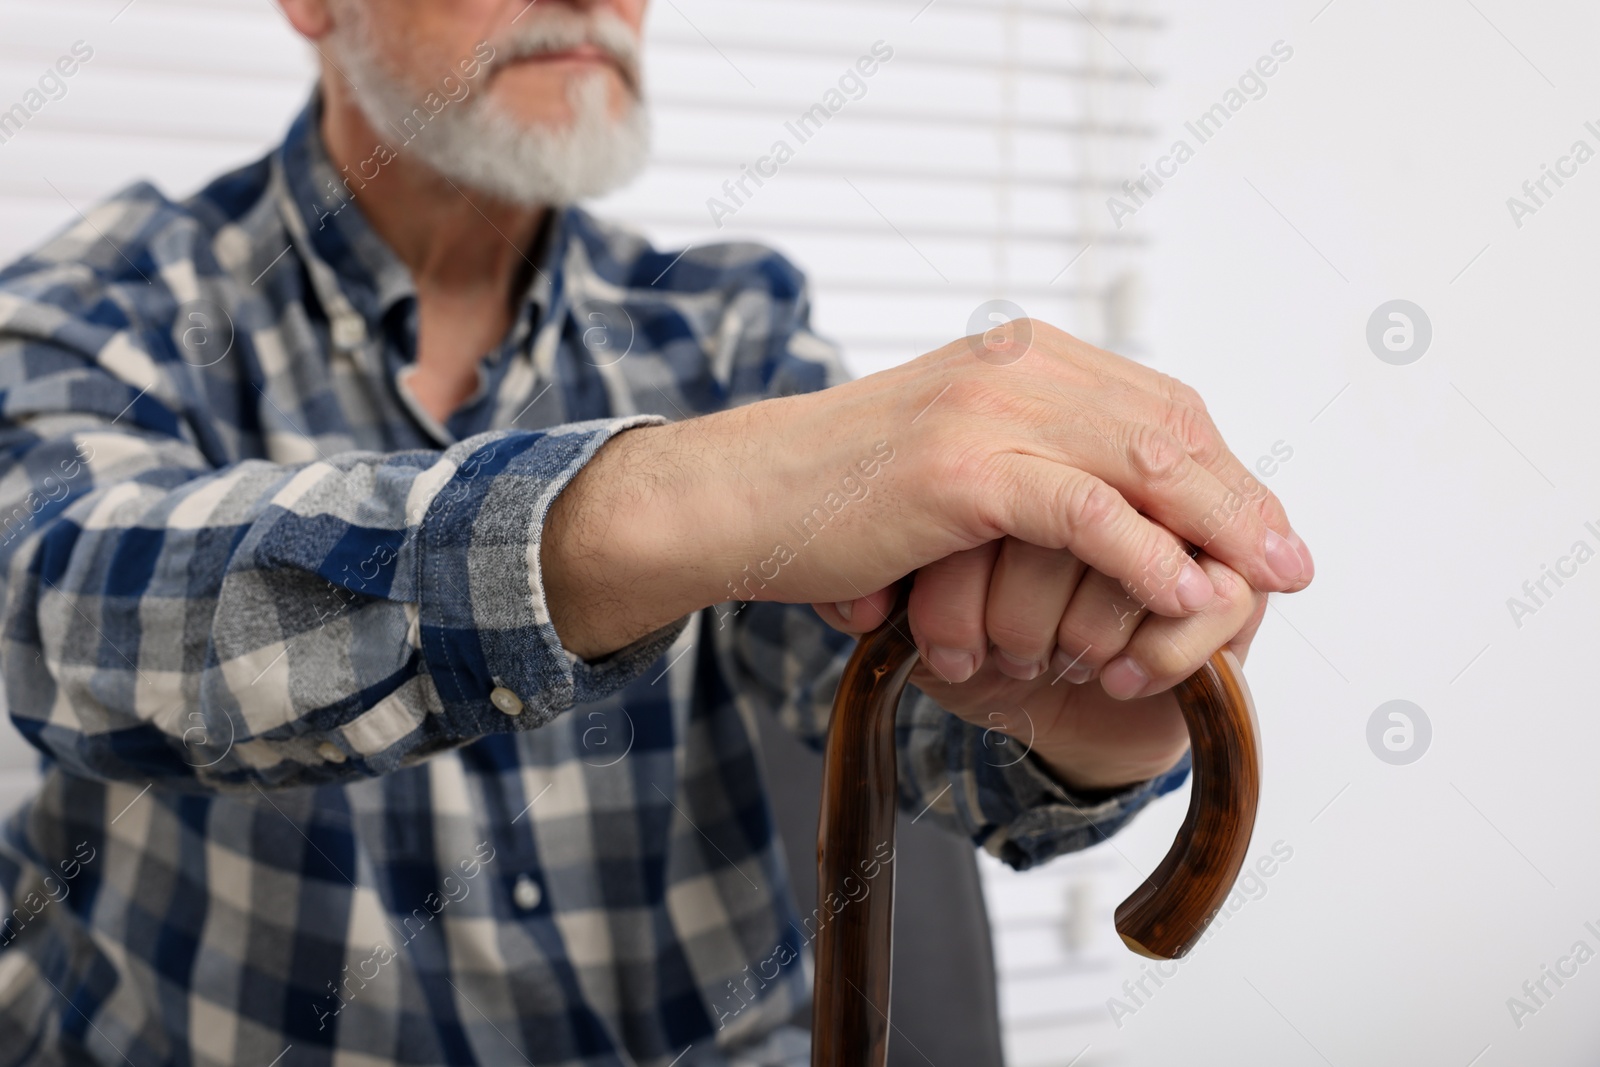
x=331 y=227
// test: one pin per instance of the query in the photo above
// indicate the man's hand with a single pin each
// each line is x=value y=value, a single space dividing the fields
x=1027 y=433
x=1125 y=729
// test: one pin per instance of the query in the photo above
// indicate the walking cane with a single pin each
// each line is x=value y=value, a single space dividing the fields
x=1162 y=919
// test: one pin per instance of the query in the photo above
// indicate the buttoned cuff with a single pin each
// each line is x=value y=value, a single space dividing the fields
x=484 y=628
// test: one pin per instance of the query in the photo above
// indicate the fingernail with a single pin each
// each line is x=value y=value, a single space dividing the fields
x=1123 y=678
x=1023 y=670
x=1070 y=668
x=1194 y=588
x=1283 y=557
x=843 y=608
x=1305 y=553
x=952 y=664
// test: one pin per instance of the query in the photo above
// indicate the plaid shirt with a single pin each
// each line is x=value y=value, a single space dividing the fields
x=321 y=783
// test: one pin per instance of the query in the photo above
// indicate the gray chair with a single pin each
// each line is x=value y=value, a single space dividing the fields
x=943 y=1005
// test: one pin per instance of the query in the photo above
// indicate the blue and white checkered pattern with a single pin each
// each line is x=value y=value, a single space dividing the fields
x=255 y=602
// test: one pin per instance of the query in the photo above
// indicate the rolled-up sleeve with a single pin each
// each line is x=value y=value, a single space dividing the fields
x=211 y=626
x=484 y=622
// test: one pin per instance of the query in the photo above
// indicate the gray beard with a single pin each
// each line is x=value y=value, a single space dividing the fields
x=475 y=143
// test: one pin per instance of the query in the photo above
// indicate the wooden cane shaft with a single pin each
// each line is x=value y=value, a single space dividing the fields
x=1163 y=918
x=850 y=1004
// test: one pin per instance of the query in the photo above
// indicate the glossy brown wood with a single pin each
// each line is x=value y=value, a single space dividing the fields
x=1166 y=915
x=855 y=832
x=1163 y=918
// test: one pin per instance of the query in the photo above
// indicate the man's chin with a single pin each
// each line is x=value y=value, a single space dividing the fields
x=538 y=163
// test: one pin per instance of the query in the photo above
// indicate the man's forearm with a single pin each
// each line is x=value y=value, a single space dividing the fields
x=634 y=540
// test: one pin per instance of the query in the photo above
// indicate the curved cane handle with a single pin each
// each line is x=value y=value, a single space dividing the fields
x=1163 y=918
x=1166 y=915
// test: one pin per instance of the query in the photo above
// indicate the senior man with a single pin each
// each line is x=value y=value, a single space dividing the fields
x=393 y=630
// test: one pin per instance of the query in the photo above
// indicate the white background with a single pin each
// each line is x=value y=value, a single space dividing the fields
x=1424 y=895
x=1377 y=166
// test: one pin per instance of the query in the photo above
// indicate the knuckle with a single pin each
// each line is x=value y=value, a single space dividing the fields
x=1226 y=518
x=1101 y=635
x=1250 y=602
x=1267 y=505
x=1019 y=640
x=1237 y=599
x=1159 y=573
x=1230 y=587
x=1169 y=656
x=1193 y=429
x=1091 y=503
x=944 y=626
x=1154 y=453
x=1085 y=649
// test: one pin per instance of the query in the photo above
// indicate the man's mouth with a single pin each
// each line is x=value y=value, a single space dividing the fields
x=584 y=56
x=583 y=53
x=588 y=55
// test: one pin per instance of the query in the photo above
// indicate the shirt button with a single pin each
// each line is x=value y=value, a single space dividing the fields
x=506 y=700
x=526 y=893
x=330 y=752
x=349 y=331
